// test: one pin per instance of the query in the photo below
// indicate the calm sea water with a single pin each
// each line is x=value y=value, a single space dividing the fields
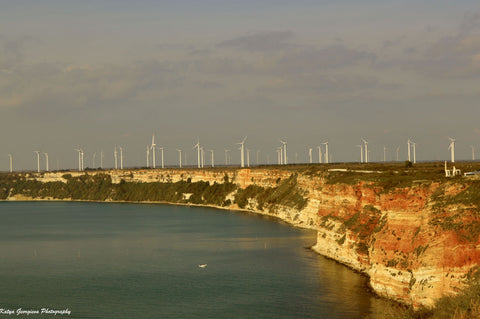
x=142 y=261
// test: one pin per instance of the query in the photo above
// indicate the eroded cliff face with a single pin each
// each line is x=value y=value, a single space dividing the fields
x=416 y=243
x=413 y=250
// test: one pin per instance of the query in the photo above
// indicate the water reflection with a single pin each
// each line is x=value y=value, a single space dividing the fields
x=110 y=260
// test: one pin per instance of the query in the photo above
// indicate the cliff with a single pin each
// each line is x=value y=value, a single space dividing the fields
x=414 y=233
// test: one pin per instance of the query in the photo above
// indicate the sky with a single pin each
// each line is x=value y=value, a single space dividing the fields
x=95 y=74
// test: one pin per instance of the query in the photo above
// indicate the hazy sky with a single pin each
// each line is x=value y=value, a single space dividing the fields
x=101 y=73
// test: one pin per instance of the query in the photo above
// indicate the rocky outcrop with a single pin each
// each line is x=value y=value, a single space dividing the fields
x=416 y=242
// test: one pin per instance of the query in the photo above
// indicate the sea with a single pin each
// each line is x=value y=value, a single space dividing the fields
x=111 y=260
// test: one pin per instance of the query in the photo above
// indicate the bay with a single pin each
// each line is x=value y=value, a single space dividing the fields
x=108 y=260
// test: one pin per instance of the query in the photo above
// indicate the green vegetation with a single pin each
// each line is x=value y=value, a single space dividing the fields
x=286 y=194
x=460 y=212
x=100 y=187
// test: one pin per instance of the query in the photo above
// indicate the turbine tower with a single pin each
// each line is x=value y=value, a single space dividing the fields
x=361 y=153
x=285 y=162
x=179 y=158
x=213 y=161
x=319 y=154
x=11 y=162
x=226 y=156
x=242 y=152
x=365 y=143
x=248 y=157
x=451 y=147
x=326 y=152
x=93 y=160
x=203 y=156
x=310 y=155
x=198 y=152
x=162 y=148
x=121 y=157
x=473 y=152
x=414 y=153
x=79 y=159
x=101 y=159
x=408 y=148
x=398 y=149
x=153 y=147
x=148 y=156
x=46 y=161
x=115 y=154
x=384 y=153
x=38 y=160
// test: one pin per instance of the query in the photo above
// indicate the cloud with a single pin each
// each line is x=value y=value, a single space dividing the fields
x=455 y=55
x=12 y=50
x=263 y=41
x=56 y=88
x=332 y=57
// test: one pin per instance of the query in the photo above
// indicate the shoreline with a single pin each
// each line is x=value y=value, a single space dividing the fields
x=234 y=209
x=277 y=219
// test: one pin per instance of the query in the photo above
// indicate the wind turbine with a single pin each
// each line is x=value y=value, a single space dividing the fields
x=38 y=160
x=361 y=153
x=115 y=154
x=319 y=154
x=310 y=155
x=46 y=161
x=326 y=152
x=248 y=157
x=473 y=152
x=451 y=147
x=285 y=162
x=11 y=162
x=179 y=158
x=198 y=152
x=203 y=156
x=365 y=143
x=242 y=152
x=213 y=162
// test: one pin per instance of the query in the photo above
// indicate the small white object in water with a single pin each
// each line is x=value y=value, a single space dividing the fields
x=202 y=265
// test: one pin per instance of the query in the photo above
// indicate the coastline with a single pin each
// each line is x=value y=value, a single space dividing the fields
x=232 y=209
x=403 y=232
